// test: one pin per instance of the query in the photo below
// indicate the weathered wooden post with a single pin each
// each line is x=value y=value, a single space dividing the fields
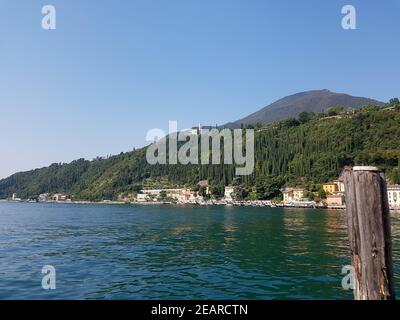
x=368 y=221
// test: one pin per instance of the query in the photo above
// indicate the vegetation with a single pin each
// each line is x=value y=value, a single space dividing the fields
x=307 y=151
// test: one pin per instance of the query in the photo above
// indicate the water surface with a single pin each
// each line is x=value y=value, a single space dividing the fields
x=172 y=252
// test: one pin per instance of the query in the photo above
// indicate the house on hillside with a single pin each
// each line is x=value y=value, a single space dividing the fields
x=333 y=187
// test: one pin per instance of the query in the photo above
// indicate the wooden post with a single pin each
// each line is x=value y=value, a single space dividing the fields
x=368 y=220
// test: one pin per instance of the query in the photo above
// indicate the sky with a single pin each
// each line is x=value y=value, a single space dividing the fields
x=112 y=70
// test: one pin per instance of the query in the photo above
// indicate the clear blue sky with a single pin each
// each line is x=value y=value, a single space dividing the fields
x=112 y=70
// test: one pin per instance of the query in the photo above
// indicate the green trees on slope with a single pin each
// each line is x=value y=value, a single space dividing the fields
x=295 y=152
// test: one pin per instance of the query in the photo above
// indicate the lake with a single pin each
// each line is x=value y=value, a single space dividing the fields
x=173 y=252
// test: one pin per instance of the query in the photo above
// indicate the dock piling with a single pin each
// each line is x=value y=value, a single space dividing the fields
x=368 y=220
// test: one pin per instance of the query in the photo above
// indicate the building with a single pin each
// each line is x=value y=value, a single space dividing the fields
x=181 y=195
x=394 y=196
x=142 y=197
x=330 y=188
x=199 y=130
x=14 y=197
x=335 y=200
x=333 y=187
x=229 y=192
x=196 y=130
x=187 y=195
x=44 y=197
x=293 y=194
x=60 y=197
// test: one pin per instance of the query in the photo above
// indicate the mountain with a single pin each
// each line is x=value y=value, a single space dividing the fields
x=311 y=101
x=287 y=153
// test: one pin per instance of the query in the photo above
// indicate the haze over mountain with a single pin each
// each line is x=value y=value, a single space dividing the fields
x=291 y=106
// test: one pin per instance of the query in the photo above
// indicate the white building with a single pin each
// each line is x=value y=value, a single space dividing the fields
x=394 y=196
x=229 y=190
x=44 y=197
x=60 y=197
x=195 y=130
x=14 y=197
x=142 y=197
x=293 y=194
x=181 y=195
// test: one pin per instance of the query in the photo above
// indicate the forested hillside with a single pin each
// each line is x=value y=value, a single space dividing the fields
x=306 y=151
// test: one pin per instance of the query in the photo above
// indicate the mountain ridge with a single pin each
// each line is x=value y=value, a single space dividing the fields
x=307 y=101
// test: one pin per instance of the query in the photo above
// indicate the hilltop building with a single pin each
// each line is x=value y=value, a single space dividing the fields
x=199 y=130
x=196 y=130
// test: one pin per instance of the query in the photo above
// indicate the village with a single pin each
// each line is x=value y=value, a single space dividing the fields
x=292 y=197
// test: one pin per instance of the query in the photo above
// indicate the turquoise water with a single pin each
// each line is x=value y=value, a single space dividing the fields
x=170 y=252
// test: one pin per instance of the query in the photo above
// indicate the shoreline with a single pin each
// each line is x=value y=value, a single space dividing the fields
x=158 y=203
x=253 y=204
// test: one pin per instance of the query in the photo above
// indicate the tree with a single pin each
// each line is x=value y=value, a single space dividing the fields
x=218 y=189
x=298 y=154
x=395 y=176
x=288 y=123
x=322 y=194
x=395 y=103
x=306 y=116
x=163 y=195
x=202 y=191
x=335 y=110
x=237 y=194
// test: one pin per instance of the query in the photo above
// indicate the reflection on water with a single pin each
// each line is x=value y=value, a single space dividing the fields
x=165 y=252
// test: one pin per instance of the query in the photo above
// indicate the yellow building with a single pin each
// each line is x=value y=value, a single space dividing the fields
x=333 y=187
x=330 y=188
